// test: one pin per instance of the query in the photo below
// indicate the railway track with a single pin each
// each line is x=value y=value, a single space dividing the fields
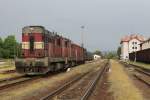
x=142 y=80
x=9 y=79
x=70 y=84
x=94 y=82
x=63 y=87
x=144 y=72
x=7 y=71
x=137 y=68
x=10 y=82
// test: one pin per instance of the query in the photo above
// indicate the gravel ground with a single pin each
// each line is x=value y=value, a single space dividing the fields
x=39 y=88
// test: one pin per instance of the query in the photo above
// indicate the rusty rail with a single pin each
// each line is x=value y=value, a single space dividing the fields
x=63 y=87
x=94 y=82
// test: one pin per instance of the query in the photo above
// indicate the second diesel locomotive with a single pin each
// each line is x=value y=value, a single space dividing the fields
x=44 y=51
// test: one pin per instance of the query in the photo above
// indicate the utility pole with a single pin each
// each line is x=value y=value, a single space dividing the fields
x=82 y=40
x=82 y=37
x=14 y=46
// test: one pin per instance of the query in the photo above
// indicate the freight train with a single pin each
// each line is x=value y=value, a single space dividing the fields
x=141 y=56
x=44 y=51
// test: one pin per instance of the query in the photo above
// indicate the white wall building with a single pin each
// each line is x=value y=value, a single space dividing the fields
x=145 y=45
x=96 y=57
x=130 y=44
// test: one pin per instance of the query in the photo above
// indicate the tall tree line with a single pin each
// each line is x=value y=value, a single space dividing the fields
x=9 y=47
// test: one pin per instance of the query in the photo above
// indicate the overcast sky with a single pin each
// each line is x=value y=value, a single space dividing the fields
x=105 y=21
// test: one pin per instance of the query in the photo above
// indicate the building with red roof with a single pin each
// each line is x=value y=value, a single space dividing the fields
x=130 y=43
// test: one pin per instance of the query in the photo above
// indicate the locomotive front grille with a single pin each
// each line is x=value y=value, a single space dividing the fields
x=32 y=65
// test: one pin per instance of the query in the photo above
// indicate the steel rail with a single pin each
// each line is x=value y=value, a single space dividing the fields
x=142 y=80
x=141 y=71
x=9 y=79
x=7 y=71
x=15 y=82
x=63 y=87
x=138 y=68
x=94 y=82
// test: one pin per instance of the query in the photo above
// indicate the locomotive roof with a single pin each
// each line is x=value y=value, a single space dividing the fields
x=34 y=26
x=30 y=29
x=41 y=29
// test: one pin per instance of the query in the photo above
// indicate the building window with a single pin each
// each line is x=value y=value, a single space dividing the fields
x=135 y=47
x=132 y=42
x=132 y=47
x=135 y=42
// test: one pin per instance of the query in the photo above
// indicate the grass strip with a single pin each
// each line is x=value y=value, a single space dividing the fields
x=121 y=85
x=144 y=65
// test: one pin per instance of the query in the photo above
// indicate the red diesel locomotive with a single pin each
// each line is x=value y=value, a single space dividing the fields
x=44 y=51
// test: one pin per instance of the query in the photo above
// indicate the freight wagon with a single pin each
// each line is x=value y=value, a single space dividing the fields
x=141 y=56
x=44 y=51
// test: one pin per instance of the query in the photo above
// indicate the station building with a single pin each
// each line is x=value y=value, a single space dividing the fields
x=145 y=45
x=130 y=43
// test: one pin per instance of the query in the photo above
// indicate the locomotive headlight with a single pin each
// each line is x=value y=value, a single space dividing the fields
x=39 y=45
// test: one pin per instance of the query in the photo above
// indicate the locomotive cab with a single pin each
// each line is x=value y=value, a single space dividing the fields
x=33 y=58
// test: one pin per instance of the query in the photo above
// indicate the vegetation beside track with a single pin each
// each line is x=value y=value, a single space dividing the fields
x=140 y=64
x=6 y=65
x=121 y=85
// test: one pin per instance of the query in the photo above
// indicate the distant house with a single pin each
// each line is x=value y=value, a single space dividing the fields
x=130 y=44
x=96 y=57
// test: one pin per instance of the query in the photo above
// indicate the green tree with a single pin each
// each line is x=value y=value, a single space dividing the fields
x=110 y=55
x=98 y=52
x=1 y=54
x=5 y=53
x=9 y=46
x=119 y=51
x=1 y=45
x=1 y=42
x=89 y=55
